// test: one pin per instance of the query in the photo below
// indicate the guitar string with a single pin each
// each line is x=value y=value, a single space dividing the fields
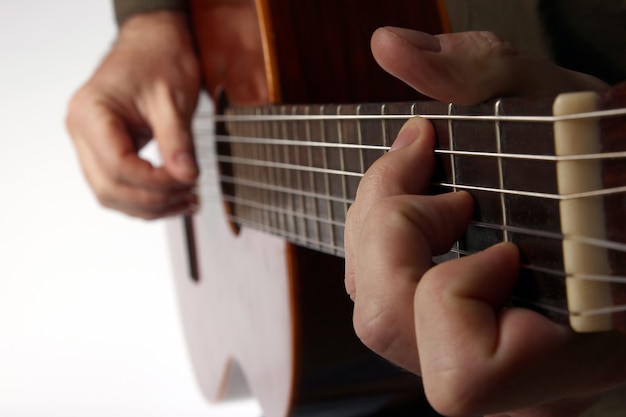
x=231 y=117
x=543 y=306
x=614 y=309
x=278 y=165
x=606 y=244
x=342 y=146
x=335 y=250
x=333 y=247
x=338 y=250
x=615 y=246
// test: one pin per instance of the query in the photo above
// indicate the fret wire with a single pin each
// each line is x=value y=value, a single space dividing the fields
x=451 y=137
x=254 y=171
x=501 y=170
x=548 y=158
x=329 y=206
x=311 y=173
x=490 y=118
x=344 y=185
x=299 y=181
x=294 y=199
x=383 y=127
x=265 y=194
x=277 y=172
x=271 y=171
x=288 y=178
x=360 y=142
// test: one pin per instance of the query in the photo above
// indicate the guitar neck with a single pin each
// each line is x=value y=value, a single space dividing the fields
x=293 y=171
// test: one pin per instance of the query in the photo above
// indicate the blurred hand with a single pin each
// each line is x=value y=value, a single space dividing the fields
x=448 y=322
x=147 y=86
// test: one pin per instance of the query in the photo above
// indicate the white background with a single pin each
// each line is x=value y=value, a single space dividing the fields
x=89 y=325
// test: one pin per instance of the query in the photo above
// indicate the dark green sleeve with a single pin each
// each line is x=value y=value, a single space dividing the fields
x=126 y=8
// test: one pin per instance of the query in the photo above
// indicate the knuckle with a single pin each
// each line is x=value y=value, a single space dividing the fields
x=150 y=199
x=494 y=44
x=375 y=327
x=105 y=199
x=74 y=111
x=452 y=393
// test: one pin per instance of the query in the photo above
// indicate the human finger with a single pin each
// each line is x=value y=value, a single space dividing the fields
x=470 y=67
x=171 y=124
x=399 y=237
x=405 y=170
x=129 y=198
x=101 y=130
x=480 y=357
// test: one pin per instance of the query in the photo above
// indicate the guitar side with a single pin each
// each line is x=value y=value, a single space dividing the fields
x=274 y=311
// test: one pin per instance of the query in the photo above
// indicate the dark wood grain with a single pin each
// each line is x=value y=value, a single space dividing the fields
x=323 y=47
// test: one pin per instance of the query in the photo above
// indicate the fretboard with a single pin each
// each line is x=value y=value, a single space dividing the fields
x=293 y=171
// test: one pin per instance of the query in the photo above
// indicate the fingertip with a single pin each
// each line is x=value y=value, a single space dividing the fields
x=185 y=167
x=415 y=128
x=505 y=255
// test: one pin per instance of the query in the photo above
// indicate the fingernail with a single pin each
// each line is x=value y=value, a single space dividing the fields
x=422 y=40
x=407 y=135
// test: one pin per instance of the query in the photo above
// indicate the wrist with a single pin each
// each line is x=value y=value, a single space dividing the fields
x=169 y=25
x=166 y=34
x=125 y=9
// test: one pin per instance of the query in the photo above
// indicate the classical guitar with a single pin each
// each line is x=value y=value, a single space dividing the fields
x=260 y=271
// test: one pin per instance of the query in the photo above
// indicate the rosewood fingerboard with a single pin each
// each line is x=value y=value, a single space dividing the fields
x=293 y=171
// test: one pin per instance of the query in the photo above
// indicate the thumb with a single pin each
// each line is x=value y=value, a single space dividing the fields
x=470 y=67
x=172 y=131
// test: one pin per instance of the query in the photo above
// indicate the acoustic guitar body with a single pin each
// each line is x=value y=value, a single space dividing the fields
x=255 y=307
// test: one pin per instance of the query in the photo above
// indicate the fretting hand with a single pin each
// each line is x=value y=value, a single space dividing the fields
x=447 y=322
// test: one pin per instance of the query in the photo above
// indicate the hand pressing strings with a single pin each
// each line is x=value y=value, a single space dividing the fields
x=448 y=322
